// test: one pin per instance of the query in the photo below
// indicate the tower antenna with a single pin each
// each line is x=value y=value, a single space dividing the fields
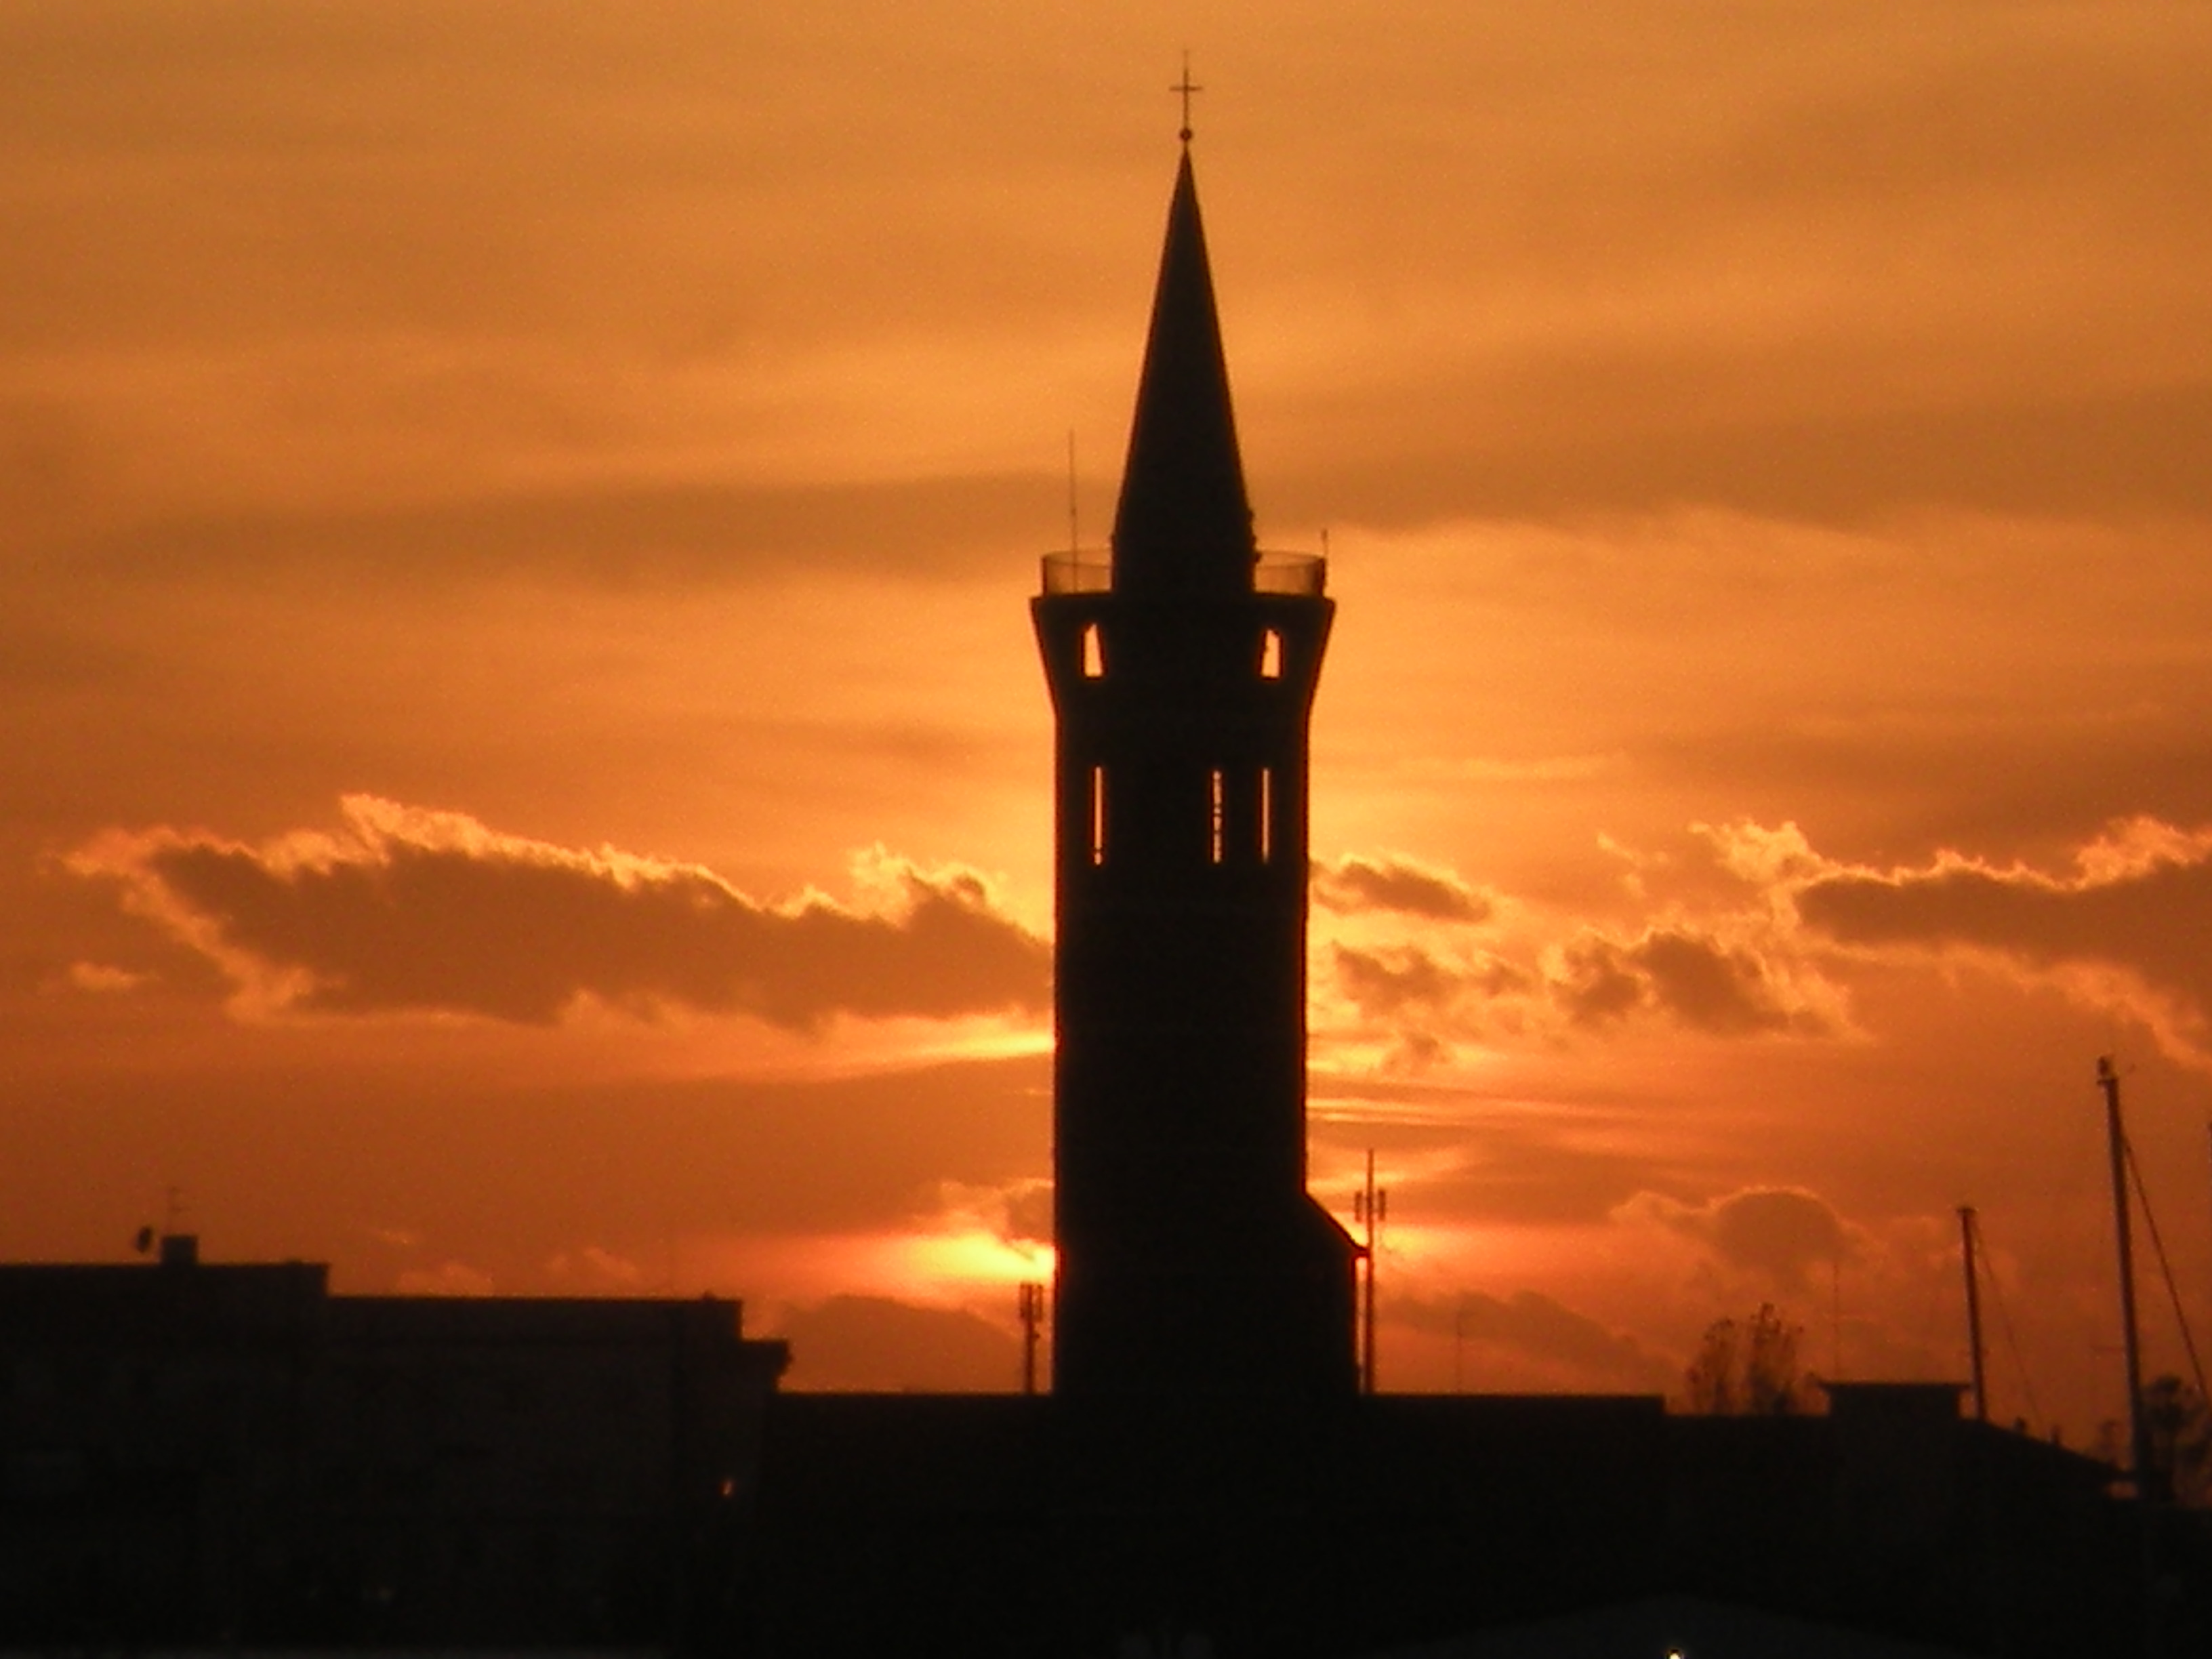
x=1074 y=538
x=1185 y=88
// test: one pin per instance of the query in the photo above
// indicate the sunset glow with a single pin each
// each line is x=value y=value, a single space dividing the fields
x=526 y=767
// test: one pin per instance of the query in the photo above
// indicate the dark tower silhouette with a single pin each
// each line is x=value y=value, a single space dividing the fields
x=1192 y=1260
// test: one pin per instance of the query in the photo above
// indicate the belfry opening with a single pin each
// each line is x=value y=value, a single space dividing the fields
x=1182 y=667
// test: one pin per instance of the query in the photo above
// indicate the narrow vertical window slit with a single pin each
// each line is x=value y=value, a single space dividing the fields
x=1094 y=653
x=1098 y=815
x=1267 y=814
x=1216 y=824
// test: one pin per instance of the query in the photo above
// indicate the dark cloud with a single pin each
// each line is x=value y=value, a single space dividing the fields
x=1562 y=1164
x=41 y=658
x=1028 y=1214
x=1543 y=1335
x=1786 y=1233
x=615 y=535
x=1781 y=1232
x=1599 y=986
x=431 y=911
x=1672 y=973
x=1392 y=979
x=1695 y=980
x=2139 y=899
x=2136 y=453
x=874 y=1344
x=2012 y=773
x=1906 y=346
x=1857 y=191
x=1399 y=884
x=1993 y=108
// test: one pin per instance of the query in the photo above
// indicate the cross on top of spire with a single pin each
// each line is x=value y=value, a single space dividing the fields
x=1183 y=525
x=1185 y=88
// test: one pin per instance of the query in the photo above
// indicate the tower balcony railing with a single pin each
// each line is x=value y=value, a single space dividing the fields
x=1078 y=570
x=1300 y=575
x=1091 y=570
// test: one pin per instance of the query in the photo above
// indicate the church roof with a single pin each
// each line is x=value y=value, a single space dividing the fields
x=1183 y=525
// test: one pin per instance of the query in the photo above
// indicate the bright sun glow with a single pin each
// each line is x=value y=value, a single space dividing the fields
x=966 y=1261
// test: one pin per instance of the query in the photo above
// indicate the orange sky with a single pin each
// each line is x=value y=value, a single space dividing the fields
x=522 y=765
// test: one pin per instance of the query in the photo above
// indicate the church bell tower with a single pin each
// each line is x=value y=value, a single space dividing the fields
x=1192 y=1264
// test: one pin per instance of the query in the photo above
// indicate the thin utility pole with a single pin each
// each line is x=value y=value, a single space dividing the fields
x=1032 y=1312
x=1974 y=1313
x=1369 y=1206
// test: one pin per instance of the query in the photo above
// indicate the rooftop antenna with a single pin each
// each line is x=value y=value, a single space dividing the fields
x=1185 y=88
x=1031 y=1306
x=1369 y=1206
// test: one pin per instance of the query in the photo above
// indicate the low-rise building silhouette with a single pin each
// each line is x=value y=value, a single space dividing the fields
x=202 y=1451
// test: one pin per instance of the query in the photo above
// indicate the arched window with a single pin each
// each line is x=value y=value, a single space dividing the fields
x=1270 y=654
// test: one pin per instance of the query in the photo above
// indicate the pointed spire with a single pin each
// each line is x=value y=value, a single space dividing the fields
x=1184 y=525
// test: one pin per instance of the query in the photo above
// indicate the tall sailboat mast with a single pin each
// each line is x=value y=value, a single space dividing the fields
x=2138 y=1420
x=1974 y=1313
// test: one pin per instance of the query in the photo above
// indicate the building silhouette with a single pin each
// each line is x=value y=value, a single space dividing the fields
x=198 y=1454
x=1192 y=1261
